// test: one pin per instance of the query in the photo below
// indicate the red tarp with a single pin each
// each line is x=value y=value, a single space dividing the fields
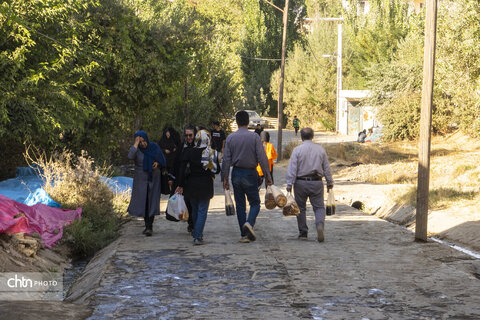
x=40 y=218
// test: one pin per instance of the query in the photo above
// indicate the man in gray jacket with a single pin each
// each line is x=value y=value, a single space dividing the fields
x=243 y=151
x=308 y=165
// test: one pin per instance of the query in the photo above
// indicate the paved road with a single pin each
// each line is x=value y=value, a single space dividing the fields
x=366 y=269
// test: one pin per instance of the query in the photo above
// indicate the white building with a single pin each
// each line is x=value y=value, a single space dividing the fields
x=354 y=117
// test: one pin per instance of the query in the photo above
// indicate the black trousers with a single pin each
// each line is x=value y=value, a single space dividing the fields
x=147 y=218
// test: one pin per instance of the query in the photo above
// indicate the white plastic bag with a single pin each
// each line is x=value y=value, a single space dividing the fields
x=229 y=206
x=331 y=207
x=177 y=208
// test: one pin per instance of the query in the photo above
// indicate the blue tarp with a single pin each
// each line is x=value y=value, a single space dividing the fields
x=119 y=184
x=26 y=187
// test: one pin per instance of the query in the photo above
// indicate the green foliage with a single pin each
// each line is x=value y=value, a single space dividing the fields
x=396 y=84
x=85 y=238
x=262 y=38
x=87 y=74
x=310 y=79
x=373 y=38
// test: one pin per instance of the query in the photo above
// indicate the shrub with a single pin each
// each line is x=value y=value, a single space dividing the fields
x=75 y=181
x=288 y=149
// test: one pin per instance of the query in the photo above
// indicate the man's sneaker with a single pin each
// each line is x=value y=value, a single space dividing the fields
x=320 y=235
x=248 y=229
x=148 y=232
x=244 y=240
x=302 y=237
x=197 y=242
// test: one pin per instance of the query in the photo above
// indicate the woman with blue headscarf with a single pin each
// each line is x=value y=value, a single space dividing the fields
x=145 y=201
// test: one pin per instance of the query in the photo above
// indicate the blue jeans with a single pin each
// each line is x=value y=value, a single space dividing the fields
x=245 y=183
x=199 y=216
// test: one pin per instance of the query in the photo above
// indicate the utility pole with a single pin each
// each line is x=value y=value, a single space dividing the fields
x=282 y=78
x=426 y=121
x=339 y=63
x=339 y=77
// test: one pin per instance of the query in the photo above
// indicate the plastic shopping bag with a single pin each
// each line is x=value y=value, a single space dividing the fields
x=270 y=199
x=291 y=208
x=177 y=208
x=331 y=203
x=229 y=207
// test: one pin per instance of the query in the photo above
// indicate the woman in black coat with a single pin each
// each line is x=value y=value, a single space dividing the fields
x=169 y=148
x=198 y=185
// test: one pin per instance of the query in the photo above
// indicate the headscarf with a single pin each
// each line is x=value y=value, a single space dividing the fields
x=167 y=143
x=209 y=155
x=152 y=153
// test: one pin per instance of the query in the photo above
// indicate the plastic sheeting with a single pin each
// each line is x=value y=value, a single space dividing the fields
x=119 y=184
x=47 y=221
x=26 y=188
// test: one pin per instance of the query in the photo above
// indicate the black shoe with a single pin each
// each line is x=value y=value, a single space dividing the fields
x=171 y=218
x=302 y=237
x=149 y=232
x=144 y=231
x=189 y=229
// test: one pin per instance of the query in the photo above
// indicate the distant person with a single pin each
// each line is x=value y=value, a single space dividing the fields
x=259 y=129
x=296 y=124
x=218 y=137
x=145 y=200
x=361 y=136
x=271 y=156
x=370 y=132
x=308 y=165
x=169 y=148
x=243 y=151
x=198 y=186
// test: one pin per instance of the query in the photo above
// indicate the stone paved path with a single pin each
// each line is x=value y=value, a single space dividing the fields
x=366 y=269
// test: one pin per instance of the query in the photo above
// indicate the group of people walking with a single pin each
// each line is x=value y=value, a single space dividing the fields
x=192 y=164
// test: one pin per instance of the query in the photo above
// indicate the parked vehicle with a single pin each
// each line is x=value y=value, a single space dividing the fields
x=255 y=119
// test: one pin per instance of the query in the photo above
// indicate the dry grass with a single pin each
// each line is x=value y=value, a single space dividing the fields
x=371 y=153
x=438 y=198
x=75 y=181
x=454 y=169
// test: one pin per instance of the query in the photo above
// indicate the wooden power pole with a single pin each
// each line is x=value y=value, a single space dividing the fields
x=426 y=121
x=282 y=77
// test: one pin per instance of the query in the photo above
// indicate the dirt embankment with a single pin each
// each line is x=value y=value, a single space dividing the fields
x=22 y=253
x=381 y=179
